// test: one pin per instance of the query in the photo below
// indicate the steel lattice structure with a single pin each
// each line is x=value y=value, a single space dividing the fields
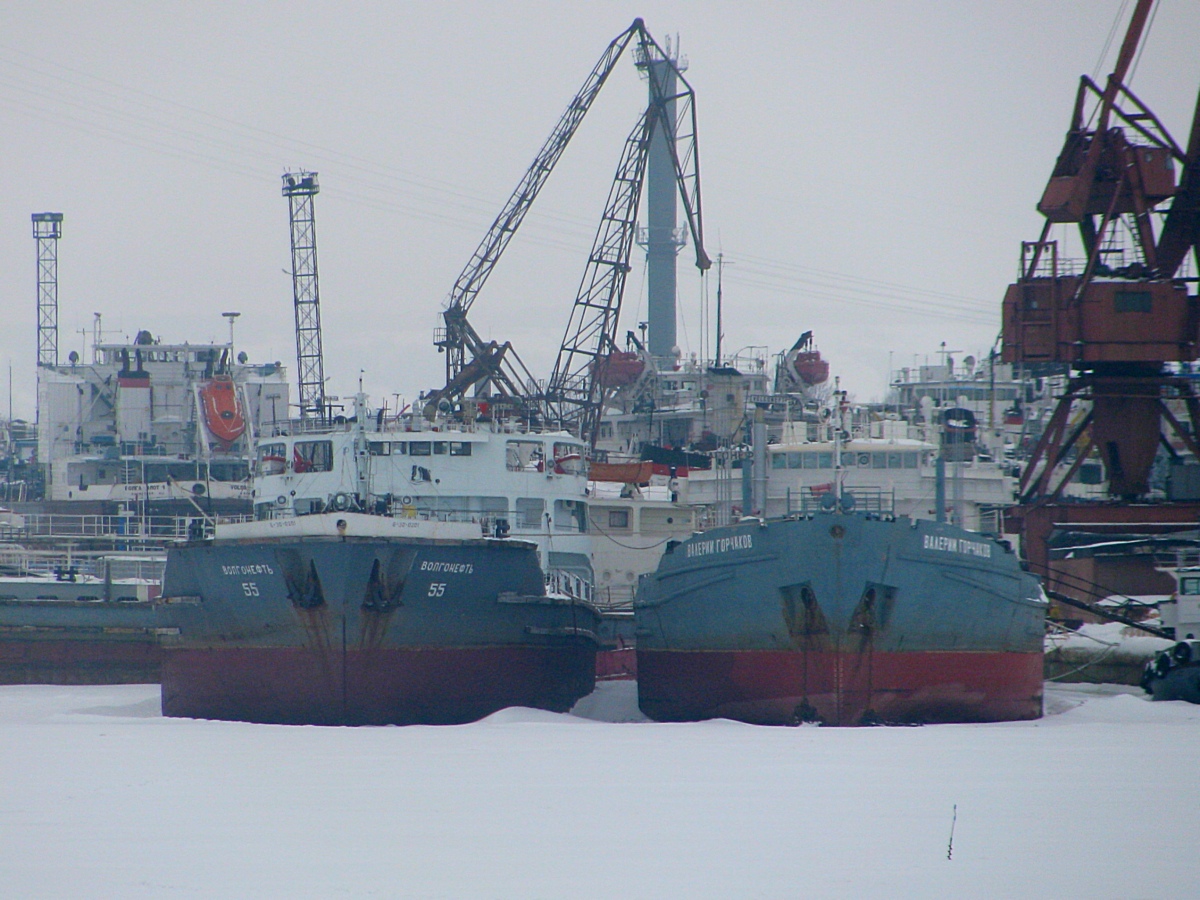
x=300 y=188
x=458 y=339
x=47 y=229
x=574 y=396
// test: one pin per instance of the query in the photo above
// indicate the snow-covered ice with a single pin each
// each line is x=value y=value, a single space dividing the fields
x=102 y=797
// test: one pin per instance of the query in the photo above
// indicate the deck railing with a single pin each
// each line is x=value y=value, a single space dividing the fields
x=125 y=529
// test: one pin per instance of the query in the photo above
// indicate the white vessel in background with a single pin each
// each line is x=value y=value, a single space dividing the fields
x=893 y=470
x=148 y=422
x=507 y=479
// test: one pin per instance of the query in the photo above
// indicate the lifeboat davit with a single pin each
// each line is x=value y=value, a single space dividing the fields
x=222 y=410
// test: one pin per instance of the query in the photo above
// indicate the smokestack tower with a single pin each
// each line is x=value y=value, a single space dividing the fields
x=661 y=238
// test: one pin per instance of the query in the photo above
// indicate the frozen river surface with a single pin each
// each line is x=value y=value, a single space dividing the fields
x=102 y=797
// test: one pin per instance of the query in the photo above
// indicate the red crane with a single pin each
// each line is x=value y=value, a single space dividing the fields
x=1117 y=319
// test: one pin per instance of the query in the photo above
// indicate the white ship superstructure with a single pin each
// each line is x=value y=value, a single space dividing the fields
x=510 y=481
x=133 y=424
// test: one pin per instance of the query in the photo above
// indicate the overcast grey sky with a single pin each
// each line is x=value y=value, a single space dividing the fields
x=869 y=168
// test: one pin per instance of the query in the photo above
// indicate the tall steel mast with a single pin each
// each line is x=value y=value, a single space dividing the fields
x=47 y=229
x=300 y=188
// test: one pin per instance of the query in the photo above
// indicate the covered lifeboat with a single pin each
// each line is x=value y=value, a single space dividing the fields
x=810 y=368
x=223 y=414
x=803 y=366
x=619 y=368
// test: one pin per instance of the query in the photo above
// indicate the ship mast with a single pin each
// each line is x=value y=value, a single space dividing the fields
x=838 y=423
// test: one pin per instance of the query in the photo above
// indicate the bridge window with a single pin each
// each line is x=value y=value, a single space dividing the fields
x=525 y=456
x=568 y=458
x=529 y=512
x=312 y=456
x=570 y=515
x=272 y=459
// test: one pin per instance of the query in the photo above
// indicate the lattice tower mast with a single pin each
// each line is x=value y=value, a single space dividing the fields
x=47 y=229
x=300 y=188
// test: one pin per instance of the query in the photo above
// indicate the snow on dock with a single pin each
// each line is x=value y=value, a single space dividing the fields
x=101 y=796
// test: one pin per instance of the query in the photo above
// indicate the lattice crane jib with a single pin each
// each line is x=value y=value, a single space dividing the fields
x=575 y=395
x=675 y=100
x=47 y=229
x=470 y=360
x=300 y=188
x=456 y=339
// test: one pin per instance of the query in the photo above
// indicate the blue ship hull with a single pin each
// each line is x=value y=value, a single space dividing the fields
x=369 y=631
x=842 y=619
x=74 y=641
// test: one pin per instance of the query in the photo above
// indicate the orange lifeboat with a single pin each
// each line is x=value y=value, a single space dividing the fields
x=222 y=410
x=624 y=473
x=810 y=368
x=619 y=368
x=805 y=362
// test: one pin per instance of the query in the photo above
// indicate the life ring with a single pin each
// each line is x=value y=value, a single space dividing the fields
x=406 y=500
x=281 y=500
x=340 y=501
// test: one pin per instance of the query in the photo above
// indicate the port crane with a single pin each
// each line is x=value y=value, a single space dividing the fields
x=1120 y=321
x=576 y=390
x=572 y=398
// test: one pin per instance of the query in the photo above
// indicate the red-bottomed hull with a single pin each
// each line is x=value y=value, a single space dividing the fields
x=78 y=660
x=788 y=687
x=618 y=664
x=383 y=686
